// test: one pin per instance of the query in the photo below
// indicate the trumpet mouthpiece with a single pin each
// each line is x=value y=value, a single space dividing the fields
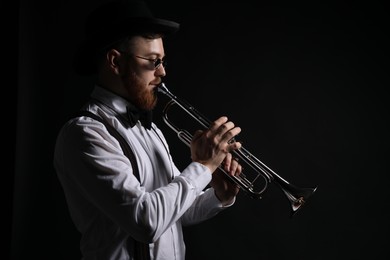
x=162 y=88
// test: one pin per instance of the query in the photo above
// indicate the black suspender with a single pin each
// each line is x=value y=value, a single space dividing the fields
x=141 y=249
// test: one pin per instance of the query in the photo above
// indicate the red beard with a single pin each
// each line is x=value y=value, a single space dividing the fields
x=139 y=92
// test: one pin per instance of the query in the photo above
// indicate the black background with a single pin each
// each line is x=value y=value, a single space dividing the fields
x=306 y=82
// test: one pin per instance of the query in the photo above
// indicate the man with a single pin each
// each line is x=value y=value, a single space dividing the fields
x=125 y=194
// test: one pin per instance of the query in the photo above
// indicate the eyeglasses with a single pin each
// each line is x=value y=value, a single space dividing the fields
x=156 y=62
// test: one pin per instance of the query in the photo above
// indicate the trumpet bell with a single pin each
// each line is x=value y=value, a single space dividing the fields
x=296 y=196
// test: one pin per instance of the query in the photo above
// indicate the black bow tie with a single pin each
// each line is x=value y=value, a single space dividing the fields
x=135 y=114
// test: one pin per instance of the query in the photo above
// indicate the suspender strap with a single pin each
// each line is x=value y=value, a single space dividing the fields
x=141 y=249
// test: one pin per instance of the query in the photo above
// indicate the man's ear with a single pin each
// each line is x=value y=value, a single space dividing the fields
x=114 y=60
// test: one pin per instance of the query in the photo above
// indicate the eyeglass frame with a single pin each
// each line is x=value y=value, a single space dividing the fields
x=156 y=62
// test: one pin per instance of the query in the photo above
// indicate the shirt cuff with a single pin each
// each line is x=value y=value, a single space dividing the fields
x=197 y=175
x=214 y=201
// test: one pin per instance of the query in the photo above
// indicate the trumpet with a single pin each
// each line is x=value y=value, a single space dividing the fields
x=254 y=182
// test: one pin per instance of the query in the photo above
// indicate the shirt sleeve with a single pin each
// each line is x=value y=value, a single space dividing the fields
x=206 y=206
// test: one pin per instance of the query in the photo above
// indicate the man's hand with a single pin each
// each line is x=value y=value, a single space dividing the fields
x=211 y=147
x=226 y=189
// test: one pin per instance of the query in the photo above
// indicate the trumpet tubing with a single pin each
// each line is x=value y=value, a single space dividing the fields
x=254 y=181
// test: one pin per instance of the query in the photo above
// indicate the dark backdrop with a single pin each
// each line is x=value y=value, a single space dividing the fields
x=306 y=82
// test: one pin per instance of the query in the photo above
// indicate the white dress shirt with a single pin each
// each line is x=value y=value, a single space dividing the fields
x=107 y=203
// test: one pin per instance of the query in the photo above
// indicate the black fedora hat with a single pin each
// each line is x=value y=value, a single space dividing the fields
x=111 y=22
